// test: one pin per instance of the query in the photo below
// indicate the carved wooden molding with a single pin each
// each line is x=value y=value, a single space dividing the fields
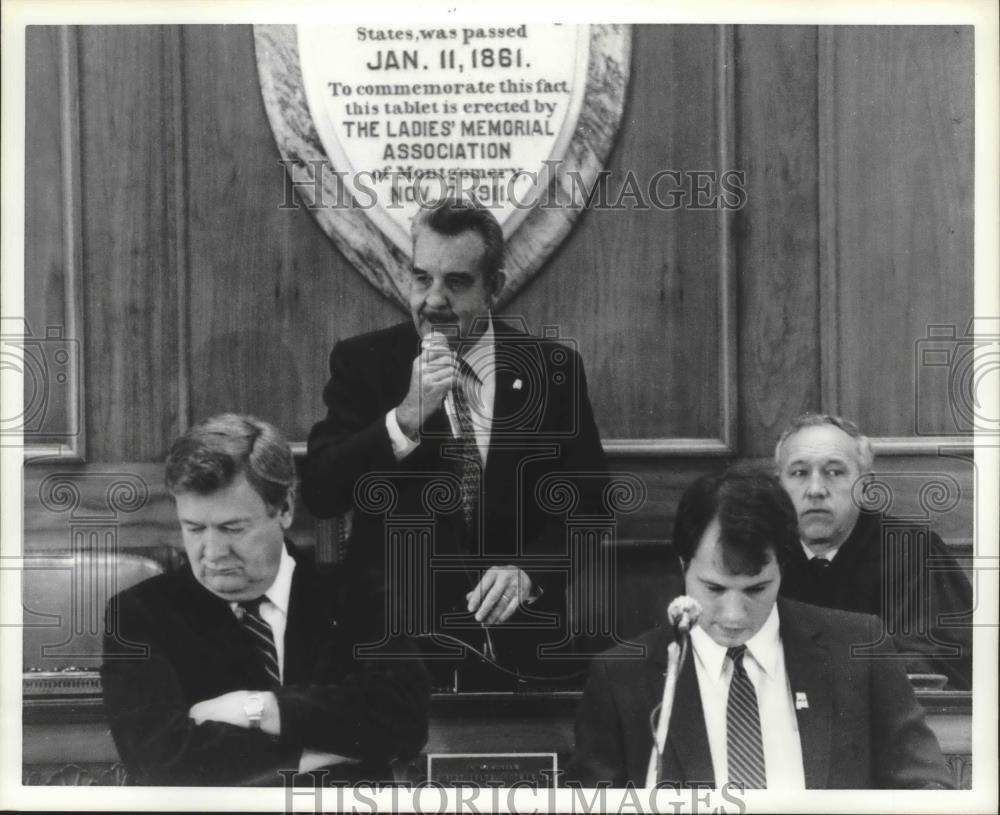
x=69 y=445
x=100 y=774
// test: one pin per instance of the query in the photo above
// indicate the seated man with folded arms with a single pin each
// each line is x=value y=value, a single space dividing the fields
x=249 y=667
x=770 y=695
x=845 y=561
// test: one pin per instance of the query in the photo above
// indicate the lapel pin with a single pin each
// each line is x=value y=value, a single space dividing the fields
x=801 y=702
x=517 y=384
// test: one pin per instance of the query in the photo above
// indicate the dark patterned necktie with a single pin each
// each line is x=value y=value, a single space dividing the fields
x=471 y=466
x=263 y=638
x=744 y=747
x=819 y=566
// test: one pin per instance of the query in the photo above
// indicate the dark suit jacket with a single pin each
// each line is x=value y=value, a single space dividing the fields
x=913 y=582
x=863 y=727
x=371 y=712
x=542 y=426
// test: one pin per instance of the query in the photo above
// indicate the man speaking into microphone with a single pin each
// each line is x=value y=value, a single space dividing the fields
x=460 y=418
x=773 y=698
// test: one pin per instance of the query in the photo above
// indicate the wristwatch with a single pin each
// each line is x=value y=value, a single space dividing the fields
x=254 y=709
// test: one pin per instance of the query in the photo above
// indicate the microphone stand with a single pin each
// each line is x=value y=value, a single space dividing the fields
x=676 y=654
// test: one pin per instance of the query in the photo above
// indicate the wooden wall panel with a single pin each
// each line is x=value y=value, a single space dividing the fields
x=269 y=294
x=903 y=117
x=248 y=294
x=638 y=289
x=43 y=225
x=130 y=498
x=776 y=233
x=130 y=348
x=202 y=295
x=51 y=419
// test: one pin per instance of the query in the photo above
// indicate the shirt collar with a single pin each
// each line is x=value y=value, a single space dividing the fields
x=281 y=589
x=830 y=554
x=764 y=647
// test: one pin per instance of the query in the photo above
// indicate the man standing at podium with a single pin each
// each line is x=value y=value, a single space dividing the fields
x=471 y=425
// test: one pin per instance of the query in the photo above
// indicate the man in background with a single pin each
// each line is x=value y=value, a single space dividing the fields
x=250 y=667
x=770 y=696
x=469 y=423
x=845 y=560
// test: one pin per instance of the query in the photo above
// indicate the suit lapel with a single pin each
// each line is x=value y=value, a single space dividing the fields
x=310 y=619
x=217 y=626
x=507 y=428
x=687 y=758
x=518 y=367
x=508 y=401
x=807 y=662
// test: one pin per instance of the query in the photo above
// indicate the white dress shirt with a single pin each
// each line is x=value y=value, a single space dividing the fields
x=765 y=665
x=480 y=395
x=274 y=609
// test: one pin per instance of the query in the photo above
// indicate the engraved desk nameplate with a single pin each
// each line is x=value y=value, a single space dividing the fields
x=527 y=770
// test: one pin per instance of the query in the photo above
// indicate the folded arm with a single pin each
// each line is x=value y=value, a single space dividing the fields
x=165 y=734
x=148 y=712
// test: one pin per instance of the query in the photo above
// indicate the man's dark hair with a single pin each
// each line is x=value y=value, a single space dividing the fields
x=210 y=455
x=755 y=516
x=453 y=216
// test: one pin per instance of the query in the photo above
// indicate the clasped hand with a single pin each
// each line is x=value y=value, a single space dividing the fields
x=431 y=377
x=499 y=594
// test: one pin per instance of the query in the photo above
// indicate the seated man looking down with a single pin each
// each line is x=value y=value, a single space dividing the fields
x=249 y=667
x=860 y=561
x=770 y=695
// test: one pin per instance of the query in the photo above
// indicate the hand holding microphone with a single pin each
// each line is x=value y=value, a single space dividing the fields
x=431 y=377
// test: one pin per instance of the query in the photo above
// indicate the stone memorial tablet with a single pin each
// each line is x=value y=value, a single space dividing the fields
x=372 y=121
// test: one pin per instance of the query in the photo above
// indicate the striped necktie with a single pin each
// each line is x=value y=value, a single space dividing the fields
x=471 y=466
x=744 y=747
x=263 y=637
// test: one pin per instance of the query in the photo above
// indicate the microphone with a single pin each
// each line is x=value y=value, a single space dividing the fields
x=439 y=339
x=683 y=612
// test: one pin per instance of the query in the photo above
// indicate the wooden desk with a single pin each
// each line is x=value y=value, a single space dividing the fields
x=67 y=741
